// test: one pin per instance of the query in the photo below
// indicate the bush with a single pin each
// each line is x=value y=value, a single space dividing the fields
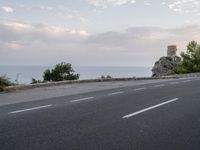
x=4 y=81
x=47 y=75
x=34 y=81
x=106 y=77
x=62 y=71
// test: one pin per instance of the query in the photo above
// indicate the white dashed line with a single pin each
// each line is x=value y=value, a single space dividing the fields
x=160 y=85
x=140 y=89
x=29 y=109
x=116 y=93
x=172 y=83
x=186 y=81
x=81 y=99
x=149 y=108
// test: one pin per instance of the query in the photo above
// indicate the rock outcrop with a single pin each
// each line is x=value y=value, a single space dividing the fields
x=165 y=66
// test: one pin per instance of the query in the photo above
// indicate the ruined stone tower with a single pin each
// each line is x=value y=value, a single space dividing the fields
x=171 y=50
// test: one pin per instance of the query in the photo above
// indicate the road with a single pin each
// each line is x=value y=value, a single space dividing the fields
x=158 y=116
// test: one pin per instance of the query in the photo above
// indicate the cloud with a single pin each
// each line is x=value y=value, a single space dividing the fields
x=147 y=3
x=7 y=9
x=40 y=44
x=107 y=3
x=186 y=6
x=59 y=12
x=13 y=45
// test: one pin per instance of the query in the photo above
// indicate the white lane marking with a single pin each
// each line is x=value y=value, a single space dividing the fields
x=116 y=93
x=172 y=83
x=149 y=108
x=160 y=85
x=139 y=89
x=186 y=81
x=33 y=108
x=81 y=99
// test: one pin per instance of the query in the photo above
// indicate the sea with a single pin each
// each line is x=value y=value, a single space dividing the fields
x=24 y=74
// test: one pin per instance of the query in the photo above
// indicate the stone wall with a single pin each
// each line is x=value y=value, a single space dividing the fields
x=31 y=86
x=187 y=75
x=171 y=51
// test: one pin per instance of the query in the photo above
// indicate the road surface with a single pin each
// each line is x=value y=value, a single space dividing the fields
x=157 y=116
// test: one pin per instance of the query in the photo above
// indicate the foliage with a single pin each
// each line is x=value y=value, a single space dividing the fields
x=106 y=77
x=47 y=75
x=34 y=81
x=60 y=72
x=190 y=59
x=4 y=81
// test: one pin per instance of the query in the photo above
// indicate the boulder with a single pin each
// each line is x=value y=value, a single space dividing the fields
x=165 y=66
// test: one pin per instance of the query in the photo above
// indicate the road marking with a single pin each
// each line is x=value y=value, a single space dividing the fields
x=160 y=85
x=172 y=83
x=139 y=89
x=29 y=109
x=149 y=108
x=186 y=81
x=81 y=99
x=115 y=93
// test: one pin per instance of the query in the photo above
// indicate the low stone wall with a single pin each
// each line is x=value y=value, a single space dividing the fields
x=186 y=75
x=31 y=86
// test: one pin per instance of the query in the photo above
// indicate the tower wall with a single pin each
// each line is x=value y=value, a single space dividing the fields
x=171 y=50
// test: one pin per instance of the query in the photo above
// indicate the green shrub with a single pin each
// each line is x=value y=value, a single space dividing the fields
x=4 y=82
x=34 y=81
x=106 y=77
x=60 y=72
x=47 y=75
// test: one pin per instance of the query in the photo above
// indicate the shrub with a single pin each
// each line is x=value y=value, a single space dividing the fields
x=4 y=81
x=106 y=77
x=47 y=75
x=60 y=72
x=34 y=81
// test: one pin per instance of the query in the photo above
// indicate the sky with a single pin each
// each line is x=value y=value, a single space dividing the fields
x=95 y=32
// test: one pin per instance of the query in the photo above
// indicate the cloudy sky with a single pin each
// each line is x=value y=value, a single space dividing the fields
x=95 y=32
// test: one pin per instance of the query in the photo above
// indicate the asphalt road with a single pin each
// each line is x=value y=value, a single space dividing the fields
x=157 y=116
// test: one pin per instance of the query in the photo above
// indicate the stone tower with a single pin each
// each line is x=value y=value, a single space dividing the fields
x=171 y=50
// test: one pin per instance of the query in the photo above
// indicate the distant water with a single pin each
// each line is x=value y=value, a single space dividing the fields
x=24 y=74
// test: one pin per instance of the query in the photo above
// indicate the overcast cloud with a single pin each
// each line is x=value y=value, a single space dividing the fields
x=44 y=45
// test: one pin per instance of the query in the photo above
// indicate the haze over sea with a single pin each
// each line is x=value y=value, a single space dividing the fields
x=24 y=74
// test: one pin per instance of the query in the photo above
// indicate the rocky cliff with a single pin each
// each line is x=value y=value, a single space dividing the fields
x=165 y=66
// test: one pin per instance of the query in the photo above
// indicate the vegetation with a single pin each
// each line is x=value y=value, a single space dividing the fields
x=34 y=81
x=190 y=59
x=106 y=77
x=4 y=81
x=62 y=71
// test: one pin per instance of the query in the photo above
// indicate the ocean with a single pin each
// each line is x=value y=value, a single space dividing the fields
x=24 y=74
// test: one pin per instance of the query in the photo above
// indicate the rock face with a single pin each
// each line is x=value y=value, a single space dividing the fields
x=165 y=66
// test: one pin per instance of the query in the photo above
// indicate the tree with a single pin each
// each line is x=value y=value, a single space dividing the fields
x=60 y=72
x=190 y=59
